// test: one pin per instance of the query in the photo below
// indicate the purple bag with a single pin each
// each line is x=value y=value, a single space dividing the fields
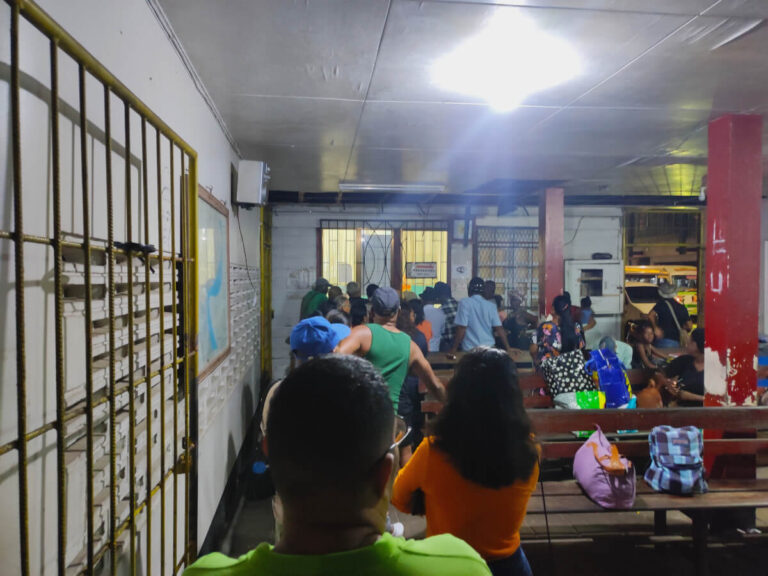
x=605 y=476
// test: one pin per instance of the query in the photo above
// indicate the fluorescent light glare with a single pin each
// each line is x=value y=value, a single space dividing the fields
x=508 y=61
x=410 y=188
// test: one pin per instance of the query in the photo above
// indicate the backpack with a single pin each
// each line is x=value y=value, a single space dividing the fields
x=609 y=373
x=605 y=476
x=676 y=466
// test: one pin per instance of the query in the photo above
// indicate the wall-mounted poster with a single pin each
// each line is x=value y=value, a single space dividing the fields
x=213 y=337
x=421 y=269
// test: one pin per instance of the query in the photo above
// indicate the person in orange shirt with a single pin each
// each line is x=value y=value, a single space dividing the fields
x=480 y=465
x=423 y=325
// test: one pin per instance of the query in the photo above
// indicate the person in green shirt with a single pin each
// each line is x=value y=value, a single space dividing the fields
x=314 y=298
x=335 y=501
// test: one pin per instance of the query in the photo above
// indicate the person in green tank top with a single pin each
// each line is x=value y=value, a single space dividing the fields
x=391 y=351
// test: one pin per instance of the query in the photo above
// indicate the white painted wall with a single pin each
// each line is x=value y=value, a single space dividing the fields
x=127 y=39
x=587 y=230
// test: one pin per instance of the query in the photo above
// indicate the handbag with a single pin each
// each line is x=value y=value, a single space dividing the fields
x=606 y=477
x=566 y=373
x=611 y=377
x=685 y=336
x=677 y=465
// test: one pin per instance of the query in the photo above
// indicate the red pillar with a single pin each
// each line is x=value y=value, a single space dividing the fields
x=551 y=227
x=734 y=185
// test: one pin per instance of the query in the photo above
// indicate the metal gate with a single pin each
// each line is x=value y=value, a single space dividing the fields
x=510 y=257
x=104 y=249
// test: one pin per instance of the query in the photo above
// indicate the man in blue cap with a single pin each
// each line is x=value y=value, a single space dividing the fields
x=310 y=338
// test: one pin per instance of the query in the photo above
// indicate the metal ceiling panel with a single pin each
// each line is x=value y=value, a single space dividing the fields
x=680 y=7
x=418 y=34
x=323 y=48
x=631 y=132
x=302 y=169
x=696 y=68
x=456 y=127
x=291 y=121
x=741 y=8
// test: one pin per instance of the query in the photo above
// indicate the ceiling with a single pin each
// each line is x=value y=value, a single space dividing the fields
x=340 y=90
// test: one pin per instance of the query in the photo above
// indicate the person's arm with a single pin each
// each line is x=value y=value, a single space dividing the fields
x=685 y=395
x=358 y=342
x=644 y=357
x=458 y=337
x=410 y=477
x=421 y=368
x=501 y=334
x=658 y=353
x=592 y=322
x=653 y=316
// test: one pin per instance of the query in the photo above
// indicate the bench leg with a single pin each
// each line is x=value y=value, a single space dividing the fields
x=700 y=532
x=660 y=522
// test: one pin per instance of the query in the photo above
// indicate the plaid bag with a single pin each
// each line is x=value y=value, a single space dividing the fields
x=676 y=463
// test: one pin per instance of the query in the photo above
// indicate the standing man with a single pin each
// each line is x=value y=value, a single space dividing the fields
x=449 y=306
x=314 y=299
x=477 y=321
x=669 y=318
x=391 y=351
x=434 y=313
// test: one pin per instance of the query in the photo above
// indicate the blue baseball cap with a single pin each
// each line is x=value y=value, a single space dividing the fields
x=316 y=336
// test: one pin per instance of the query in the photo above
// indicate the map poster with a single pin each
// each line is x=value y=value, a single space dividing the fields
x=213 y=337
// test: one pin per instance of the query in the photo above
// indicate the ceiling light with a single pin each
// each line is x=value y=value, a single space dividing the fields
x=413 y=188
x=506 y=62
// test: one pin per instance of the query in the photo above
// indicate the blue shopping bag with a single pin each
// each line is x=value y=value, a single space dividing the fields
x=611 y=377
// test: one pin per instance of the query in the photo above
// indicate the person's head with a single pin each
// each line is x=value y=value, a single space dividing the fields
x=320 y=404
x=337 y=317
x=322 y=285
x=370 y=289
x=586 y=302
x=562 y=312
x=357 y=313
x=515 y=300
x=667 y=291
x=489 y=289
x=409 y=295
x=567 y=296
x=483 y=427
x=428 y=296
x=476 y=286
x=696 y=343
x=406 y=319
x=607 y=343
x=385 y=304
x=645 y=332
x=417 y=308
x=442 y=291
x=316 y=336
x=353 y=290
x=499 y=301
x=334 y=293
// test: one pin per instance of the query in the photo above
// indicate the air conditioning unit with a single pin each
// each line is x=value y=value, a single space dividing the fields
x=252 y=179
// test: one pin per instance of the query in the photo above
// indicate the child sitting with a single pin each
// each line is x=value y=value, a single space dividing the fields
x=646 y=355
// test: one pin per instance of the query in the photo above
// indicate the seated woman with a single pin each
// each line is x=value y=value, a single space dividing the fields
x=646 y=355
x=478 y=469
x=559 y=335
x=688 y=370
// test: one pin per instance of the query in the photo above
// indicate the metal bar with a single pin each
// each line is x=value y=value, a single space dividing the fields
x=162 y=346
x=186 y=343
x=111 y=304
x=88 y=321
x=191 y=381
x=49 y=27
x=61 y=407
x=18 y=230
x=131 y=383
x=148 y=339
x=175 y=358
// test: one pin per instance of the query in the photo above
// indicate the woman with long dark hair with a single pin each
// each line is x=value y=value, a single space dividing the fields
x=480 y=465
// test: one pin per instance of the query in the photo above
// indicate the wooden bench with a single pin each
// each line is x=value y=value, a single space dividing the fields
x=531 y=384
x=553 y=427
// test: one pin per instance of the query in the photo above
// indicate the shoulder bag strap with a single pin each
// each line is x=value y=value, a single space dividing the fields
x=674 y=316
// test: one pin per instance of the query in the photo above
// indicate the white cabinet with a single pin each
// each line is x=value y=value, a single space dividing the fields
x=601 y=280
